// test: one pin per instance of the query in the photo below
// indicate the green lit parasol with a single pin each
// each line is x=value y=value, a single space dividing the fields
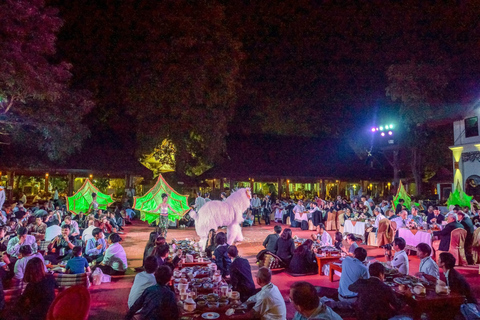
x=81 y=200
x=152 y=199
x=459 y=198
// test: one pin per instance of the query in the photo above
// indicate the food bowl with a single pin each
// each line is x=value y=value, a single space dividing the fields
x=213 y=305
x=201 y=304
x=223 y=303
x=235 y=295
x=182 y=287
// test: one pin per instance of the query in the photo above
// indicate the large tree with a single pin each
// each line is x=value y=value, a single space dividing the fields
x=159 y=69
x=36 y=105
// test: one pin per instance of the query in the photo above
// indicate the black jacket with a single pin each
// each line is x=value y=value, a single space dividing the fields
x=303 y=264
x=270 y=242
x=445 y=235
x=440 y=218
x=222 y=260
x=459 y=285
x=241 y=278
x=468 y=225
x=374 y=299
x=284 y=249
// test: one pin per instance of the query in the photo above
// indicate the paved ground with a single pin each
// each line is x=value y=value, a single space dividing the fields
x=109 y=300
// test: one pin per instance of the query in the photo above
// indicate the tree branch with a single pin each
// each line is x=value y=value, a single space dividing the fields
x=10 y=103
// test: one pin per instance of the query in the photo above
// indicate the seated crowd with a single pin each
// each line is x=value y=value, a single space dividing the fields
x=42 y=237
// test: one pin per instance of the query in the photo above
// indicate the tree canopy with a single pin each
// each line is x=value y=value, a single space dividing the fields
x=37 y=106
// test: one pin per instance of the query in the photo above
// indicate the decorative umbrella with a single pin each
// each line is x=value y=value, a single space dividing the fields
x=81 y=200
x=459 y=198
x=152 y=199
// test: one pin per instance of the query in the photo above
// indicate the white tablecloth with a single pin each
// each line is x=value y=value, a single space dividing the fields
x=358 y=228
x=414 y=239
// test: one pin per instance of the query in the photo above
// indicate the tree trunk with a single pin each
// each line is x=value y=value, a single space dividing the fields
x=416 y=166
x=396 y=168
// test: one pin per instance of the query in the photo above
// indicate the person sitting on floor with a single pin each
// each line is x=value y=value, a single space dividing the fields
x=285 y=247
x=375 y=299
x=143 y=280
x=60 y=249
x=158 y=301
x=352 y=241
x=271 y=240
x=22 y=239
x=39 y=227
x=269 y=303
x=87 y=233
x=210 y=245
x=96 y=246
x=338 y=240
x=115 y=260
x=161 y=253
x=78 y=264
x=400 y=259
x=454 y=279
x=322 y=236
x=74 y=230
x=39 y=292
x=428 y=267
x=307 y=304
x=304 y=260
x=352 y=270
x=220 y=254
x=26 y=253
x=240 y=274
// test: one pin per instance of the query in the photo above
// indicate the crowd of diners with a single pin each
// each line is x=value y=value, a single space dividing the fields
x=35 y=240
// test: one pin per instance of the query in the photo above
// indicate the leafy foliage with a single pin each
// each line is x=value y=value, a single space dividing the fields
x=36 y=105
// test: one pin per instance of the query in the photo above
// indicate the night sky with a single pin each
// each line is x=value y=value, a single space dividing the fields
x=293 y=68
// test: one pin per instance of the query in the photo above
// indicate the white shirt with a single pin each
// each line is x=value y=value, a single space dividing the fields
x=269 y=303
x=52 y=231
x=142 y=281
x=13 y=246
x=115 y=257
x=299 y=213
x=400 y=222
x=400 y=262
x=255 y=203
x=20 y=265
x=428 y=266
x=377 y=220
x=87 y=233
x=325 y=239
x=199 y=202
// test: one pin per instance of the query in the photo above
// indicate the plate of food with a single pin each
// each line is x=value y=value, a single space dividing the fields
x=210 y=315
x=402 y=280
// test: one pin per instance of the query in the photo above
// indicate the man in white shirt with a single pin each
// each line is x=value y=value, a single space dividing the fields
x=75 y=231
x=415 y=217
x=400 y=259
x=401 y=220
x=255 y=204
x=299 y=210
x=269 y=303
x=22 y=239
x=367 y=205
x=378 y=216
x=322 y=237
x=87 y=233
x=428 y=267
x=199 y=202
x=143 y=280
x=26 y=252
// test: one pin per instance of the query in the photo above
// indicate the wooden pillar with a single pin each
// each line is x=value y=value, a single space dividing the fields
x=288 y=189
x=47 y=178
x=251 y=186
x=11 y=178
x=70 y=184
x=222 y=187
x=280 y=191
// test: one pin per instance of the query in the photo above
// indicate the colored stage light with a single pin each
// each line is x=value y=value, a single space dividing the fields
x=390 y=132
x=381 y=128
x=383 y=134
x=373 y=129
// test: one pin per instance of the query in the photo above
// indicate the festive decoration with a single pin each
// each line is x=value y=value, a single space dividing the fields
x=162 y=159
x=402 y=194
x=459 y=198
x=81 y=200
x=152 y=199
x=411 y=224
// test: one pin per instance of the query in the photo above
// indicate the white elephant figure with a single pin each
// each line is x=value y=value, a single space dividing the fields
x=227 y=213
